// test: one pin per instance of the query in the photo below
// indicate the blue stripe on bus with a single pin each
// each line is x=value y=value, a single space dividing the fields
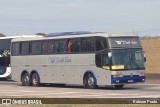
x=127 y=79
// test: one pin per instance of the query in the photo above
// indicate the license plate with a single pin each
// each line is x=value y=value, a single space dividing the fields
x=130 y=80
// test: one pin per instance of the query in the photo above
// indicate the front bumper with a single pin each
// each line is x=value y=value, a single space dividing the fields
x=127 y=79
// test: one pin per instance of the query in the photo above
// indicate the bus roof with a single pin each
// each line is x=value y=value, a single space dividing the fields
x=86 y=32
x=20 y=36
x=64 y=35
x=68 y=33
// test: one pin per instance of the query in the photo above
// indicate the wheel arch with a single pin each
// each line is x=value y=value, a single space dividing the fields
x=24 y=72
x=87 y=73
x=34 y=71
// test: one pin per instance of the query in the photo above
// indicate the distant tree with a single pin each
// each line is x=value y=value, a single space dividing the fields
x=2 y=35
x=43 y=34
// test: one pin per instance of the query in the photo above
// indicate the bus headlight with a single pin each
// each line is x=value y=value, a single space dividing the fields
x=141 y=74
x=117 y=75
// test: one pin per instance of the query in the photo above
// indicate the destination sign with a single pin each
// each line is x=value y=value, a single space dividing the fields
x=124 y=42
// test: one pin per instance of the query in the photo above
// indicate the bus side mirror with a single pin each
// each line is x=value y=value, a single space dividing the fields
x=144 y=56
x=110 y=57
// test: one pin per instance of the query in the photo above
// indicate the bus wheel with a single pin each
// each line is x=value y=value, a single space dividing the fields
x=90 y=82
x=118 y=86
x=35 y=79
x=25 y=80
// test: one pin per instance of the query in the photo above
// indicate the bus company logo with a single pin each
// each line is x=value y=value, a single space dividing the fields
x=124 y=42
x=60 y=60
x=6 y=101
x=53 y=59
x=118 y=42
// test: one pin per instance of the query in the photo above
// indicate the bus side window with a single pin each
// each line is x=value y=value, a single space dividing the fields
x=102 y=60
x=101 y=44
x=48 y=47
x=57 y=46
x=36 y=47
x=69 y=46
x=88 y=45
x=60 y=46
x=98 y=60
x=25 y=48
x=73 y=45
x=15 y=48
x=63 y=46
x=76 y=45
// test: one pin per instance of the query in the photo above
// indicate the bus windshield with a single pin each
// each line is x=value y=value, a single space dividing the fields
x=128 y=59
x=4 y=58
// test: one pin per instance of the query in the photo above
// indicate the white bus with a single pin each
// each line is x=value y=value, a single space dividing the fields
x=91 y=59
x=5 y=43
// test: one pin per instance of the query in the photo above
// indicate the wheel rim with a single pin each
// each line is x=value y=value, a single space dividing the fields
x=90 y=81
x=35 y=79
x=26 y=79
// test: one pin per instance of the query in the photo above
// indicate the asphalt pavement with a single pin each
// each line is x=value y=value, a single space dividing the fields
x=140 y=90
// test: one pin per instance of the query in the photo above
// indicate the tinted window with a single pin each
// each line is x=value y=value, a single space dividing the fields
x=4 y=61
x=73 y=45
x=5 y=44
x=102 y=60
x=25 y=48
x=15 y=48
x=36 y=47
x=48 y=47
x=60 y=46
x=98 y=60
x=101 y=44
x=88 y=45
x=57 y=46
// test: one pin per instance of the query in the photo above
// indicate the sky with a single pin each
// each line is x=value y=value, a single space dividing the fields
x=49 y=16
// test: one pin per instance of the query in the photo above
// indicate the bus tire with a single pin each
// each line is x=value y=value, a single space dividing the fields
x=25 y=80
x=90 y=81
x=35 y=79
x=118 y=86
